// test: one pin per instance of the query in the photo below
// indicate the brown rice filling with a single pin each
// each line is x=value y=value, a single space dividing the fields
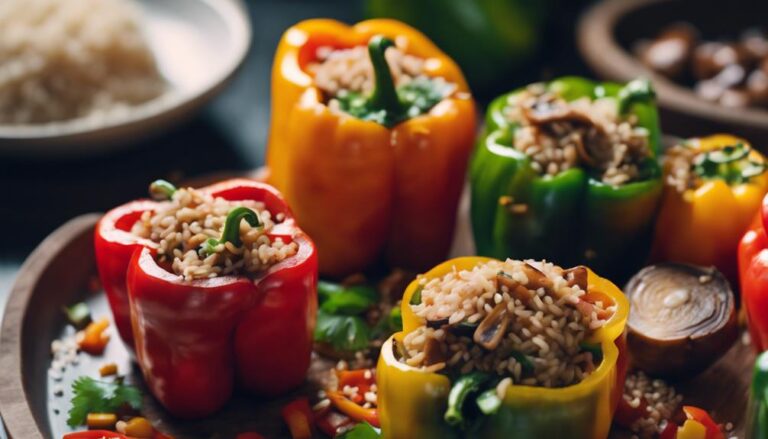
x=559 y=135
x=180 y=226
x=523 y=320
x=338 y=71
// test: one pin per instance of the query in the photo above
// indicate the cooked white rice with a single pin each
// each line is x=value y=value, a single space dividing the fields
x=560 y=135
x=181 y=225
x=65 y=59
x=543 y=319
x=662 y=403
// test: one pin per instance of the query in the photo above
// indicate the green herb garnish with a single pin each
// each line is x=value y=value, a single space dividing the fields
x=343 y=333
x=92 y=396
x=389 y=105
x=731 y=163
x=78 y=315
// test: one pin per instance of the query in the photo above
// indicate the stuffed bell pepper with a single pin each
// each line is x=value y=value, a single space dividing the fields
x=567 y=171
x=221 y=289
x=712 y=188
x=753 y=276
x=493 y=349
x=371 y=131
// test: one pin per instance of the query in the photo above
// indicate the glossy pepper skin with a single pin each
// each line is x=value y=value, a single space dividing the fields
x=197 y=340
x=488 y=38
x=703 y=225
x=412 y=402
x=757 y=414
x=114 y=244
x=753 y=276
x=572 y=217
x=365 y=192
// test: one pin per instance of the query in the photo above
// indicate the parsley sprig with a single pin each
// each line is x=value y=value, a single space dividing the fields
x=93 y=396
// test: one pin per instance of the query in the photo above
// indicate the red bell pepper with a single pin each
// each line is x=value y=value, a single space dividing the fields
x=196 y=340
x=95 y=434
x=114 y=245
x=753 y=276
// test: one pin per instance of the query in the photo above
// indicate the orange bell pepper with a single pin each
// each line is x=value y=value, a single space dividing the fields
x=703 y=225
x=365 y=191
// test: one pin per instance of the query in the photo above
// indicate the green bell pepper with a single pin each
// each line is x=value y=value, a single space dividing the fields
x=488 y=38
x=757 y=414
x=573 y=217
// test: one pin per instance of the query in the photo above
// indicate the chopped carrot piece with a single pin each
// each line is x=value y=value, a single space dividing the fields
x=101 y=420
x=108 y=369
x=137 y=427
x=93 y=338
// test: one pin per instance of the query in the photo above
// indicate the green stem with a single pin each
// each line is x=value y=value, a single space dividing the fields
x=161 y=190
x=231 y=232
x=384 y=96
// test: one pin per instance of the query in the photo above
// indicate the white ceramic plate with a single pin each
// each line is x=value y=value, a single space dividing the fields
x=198 y=44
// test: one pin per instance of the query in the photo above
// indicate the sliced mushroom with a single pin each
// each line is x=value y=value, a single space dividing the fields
x=577 y=276
x=514 y=288
x=433 y=352
x=545 y=111
x=491 y=330
x=682 y=318
x=536 y=278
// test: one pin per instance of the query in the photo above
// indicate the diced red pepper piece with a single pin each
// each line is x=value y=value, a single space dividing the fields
x=669 y=432
x=95 y=434
x=701 y=416
x=299 y=418
x=332 y=422
x=352 y=409
x=626 y=415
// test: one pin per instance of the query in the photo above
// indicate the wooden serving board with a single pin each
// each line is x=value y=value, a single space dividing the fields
x=61 y=271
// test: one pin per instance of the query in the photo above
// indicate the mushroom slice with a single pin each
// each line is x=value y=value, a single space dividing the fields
x=577 y=276
x=536 y=278
x=683 y=318
x=491 y=330
x=433 y=352
x=549 y=109
x=515 y=289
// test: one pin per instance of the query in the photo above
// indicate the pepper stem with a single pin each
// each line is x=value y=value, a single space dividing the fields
x=384 y=96
x=161 y=190
x=231 y=232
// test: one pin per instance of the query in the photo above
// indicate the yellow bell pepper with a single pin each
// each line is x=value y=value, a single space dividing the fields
x=412 y=402
x=692 y=430
x=364 y=190
x=703 y=225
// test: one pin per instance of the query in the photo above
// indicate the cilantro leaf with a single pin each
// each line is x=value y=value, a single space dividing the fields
x=343 y=333
x=92 y=396
x=350 y=301
x=362 y=431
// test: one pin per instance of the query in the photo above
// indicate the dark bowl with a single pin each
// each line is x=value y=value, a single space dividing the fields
x=608 y=31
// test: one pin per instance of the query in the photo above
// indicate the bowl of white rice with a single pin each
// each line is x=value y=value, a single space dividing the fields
x=87 y=76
